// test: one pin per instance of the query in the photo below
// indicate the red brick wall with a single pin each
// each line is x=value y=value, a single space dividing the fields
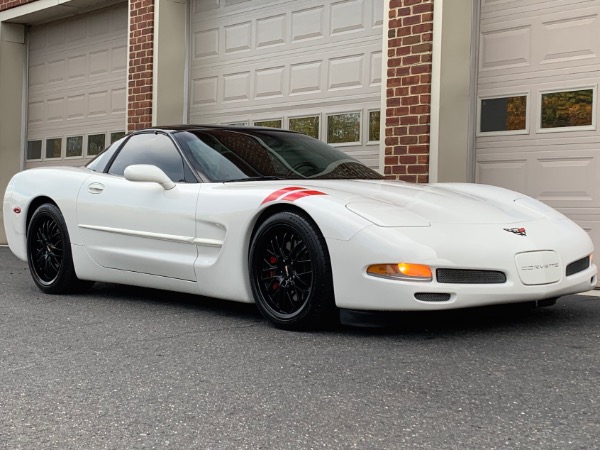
x=408 y=102
x=141 y=57
x=7 y=4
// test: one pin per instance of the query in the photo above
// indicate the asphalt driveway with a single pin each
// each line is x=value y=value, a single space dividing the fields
x=121 y=367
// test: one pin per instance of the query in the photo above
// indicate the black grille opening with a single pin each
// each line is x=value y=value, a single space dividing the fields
x=432 y=297
x=578 y=266
x=466 y=276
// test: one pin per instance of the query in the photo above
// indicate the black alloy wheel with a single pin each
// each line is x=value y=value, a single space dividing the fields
x=290 y=272
x=49 y=252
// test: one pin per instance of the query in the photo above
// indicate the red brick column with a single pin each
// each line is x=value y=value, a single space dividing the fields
x=8 y=4
x=141 y=57
x=408 y=99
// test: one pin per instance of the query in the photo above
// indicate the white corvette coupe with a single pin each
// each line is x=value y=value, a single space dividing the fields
x=285 y=221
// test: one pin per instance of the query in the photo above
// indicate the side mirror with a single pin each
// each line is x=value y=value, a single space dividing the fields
x=148 y=173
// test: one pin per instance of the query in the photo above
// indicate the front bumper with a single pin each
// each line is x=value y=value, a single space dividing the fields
x=475 y=247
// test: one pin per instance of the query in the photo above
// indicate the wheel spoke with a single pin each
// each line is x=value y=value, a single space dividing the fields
x=47 y=250
x=284 y=270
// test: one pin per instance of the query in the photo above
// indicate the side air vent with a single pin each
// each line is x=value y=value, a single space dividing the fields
x=465 y=276
x=578 y=266
x=432 y=297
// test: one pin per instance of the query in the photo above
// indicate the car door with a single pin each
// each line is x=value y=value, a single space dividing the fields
x=141 y=226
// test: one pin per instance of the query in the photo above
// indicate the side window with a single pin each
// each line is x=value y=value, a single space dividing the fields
x=156 y=149
x=99 y=163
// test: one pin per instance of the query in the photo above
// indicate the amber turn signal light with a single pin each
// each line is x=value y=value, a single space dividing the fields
x=401 y=271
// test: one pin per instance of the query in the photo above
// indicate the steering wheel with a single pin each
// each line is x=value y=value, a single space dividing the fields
x=305 y=168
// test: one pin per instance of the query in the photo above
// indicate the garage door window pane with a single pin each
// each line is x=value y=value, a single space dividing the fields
x=96 y=143
x=34 y=149
x=374 y=120
x=74 y=146
x=343 y=128
x=306 y=125
x=567 y=109
x=268 y=123
x=53 y=148
x=503 y=114
x=115 y=136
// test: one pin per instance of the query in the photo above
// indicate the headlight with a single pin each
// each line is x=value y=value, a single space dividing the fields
x=401 y=271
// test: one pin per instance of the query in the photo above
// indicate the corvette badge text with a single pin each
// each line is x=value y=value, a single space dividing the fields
x=290 y=194
x=541 y=266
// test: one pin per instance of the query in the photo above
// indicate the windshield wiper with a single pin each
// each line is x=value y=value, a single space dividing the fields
x=260 y=178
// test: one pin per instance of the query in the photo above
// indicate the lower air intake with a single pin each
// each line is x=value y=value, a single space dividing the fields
x=432 y=297
x=465 y=276
x=578 y=266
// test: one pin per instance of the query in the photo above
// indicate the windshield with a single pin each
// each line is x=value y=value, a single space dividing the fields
x=237 y=155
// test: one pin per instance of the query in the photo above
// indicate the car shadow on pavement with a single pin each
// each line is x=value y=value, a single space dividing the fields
x=510 y=317
x=127 y=293
x=459 y=321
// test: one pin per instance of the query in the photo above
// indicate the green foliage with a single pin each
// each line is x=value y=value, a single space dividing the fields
x=306 y=125
x=567 y=109
x=343 y=128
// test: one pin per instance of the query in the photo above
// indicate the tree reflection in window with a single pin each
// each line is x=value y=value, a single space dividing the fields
x=116 y=135
x=96 y=143
x=276 y=123
x=503 y=114
x=306 y=125
x=74 y=146
x=53 y=148
x=343 y=128
x=567 y=109
x=374 y=121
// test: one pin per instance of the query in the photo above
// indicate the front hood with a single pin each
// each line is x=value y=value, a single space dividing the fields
x=396 y=203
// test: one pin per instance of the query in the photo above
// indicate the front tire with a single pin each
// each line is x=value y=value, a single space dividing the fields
x=290 y=272
x=49 y=253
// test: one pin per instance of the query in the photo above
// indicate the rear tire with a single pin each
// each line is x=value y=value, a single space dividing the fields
x=290 y=273
x=49 y=253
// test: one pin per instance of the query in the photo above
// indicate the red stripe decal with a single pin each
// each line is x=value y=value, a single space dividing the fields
x=275 y=195
x=300 y=194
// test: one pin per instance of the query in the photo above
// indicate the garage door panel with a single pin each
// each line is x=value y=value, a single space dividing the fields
x=539 y=41
x=273 y=24
x=494 y=10
x=505 y=48
x=542 y=48
x=571 y=38
x=510 y=173
x=563 y=181
x=343 y=70
x=208 y=47
x=269 y=83
x=275 y=61
x=77 y=80
x=554 y=177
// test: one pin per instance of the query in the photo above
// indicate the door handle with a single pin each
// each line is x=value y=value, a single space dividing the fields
x=95 y=188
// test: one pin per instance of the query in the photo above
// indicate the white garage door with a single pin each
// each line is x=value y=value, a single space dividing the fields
x=77 y=87
x=307 y=65
x=538 y=133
